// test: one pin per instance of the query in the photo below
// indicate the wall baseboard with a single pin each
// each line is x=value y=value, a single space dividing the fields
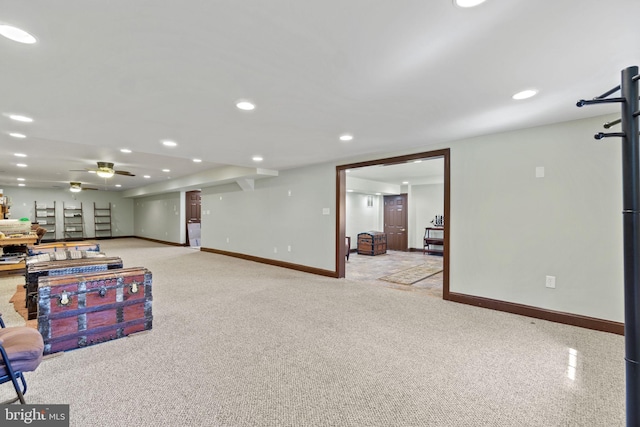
x=539 y=313
x=160 y=241
x=289 y=265
x=508 y=307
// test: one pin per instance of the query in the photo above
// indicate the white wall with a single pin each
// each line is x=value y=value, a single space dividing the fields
x=360 y=217
x=510 y=229
x=425 y=202
x=160 y=217
x=282 y=211
x=24 y=198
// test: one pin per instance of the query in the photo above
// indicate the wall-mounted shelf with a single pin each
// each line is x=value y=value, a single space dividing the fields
x=102 y=221
x=73 y=222
x=45 y=215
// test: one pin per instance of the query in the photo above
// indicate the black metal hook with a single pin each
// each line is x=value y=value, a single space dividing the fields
x=612 y=123
x=601 y=135
x=584 y=102
x=607 y=125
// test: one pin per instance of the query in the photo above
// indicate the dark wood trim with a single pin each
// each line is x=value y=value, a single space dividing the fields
x=160 y=241
x=446 y=259
x=399 y=159
x=341 y=222
x=289 y=265
x=539 y=313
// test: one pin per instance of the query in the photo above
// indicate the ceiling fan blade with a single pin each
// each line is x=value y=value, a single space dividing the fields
x=125 y=173
x=89 y=188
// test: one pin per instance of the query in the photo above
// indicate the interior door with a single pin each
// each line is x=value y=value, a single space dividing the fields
x=193 y=203
x=395 y=222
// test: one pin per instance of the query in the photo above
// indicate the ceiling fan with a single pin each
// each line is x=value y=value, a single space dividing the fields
x=76 y=187
x=105 y=170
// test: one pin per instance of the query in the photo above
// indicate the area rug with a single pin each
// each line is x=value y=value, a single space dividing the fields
x=412 y=275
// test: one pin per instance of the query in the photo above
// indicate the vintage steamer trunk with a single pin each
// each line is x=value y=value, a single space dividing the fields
x=372 y=243
x=84 y=309
x=60 y=268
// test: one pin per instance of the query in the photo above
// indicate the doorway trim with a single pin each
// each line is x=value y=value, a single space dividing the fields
x=341 y=217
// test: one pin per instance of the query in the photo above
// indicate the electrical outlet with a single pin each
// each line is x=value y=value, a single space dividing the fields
x=289 y=248
x=550 y=282
x=227 y=240
x=275 y=250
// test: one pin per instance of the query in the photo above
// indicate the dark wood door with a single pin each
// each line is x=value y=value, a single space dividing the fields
x=395 y=222
x=193 y=203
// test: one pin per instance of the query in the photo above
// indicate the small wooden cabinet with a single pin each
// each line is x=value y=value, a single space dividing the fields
x=433 y=241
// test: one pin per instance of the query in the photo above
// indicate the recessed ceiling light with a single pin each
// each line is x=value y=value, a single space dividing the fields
x=405 y=182
x=20 y=155
x=20 y=179
x=245 y=105
x=125 y=150
x=91 y=171
x=118 y=185
x=378 y=194
x=17 y=135
x=257 y=159
x=349 y=191
x=346 y=137
x=21 y=165
x=20 y=118
x=525 y=94
x=166 y=170
x=197 y=160
x=20 y=185
x=468 y=3
x=147 y=176
x=16 y=34
x=169 y=143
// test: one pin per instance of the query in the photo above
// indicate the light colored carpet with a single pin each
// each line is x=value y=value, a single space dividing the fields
x=412 y=275
x=237 y=343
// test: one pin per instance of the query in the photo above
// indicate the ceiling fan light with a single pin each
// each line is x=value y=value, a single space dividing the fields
x=75 y=187
x=103 y=173
x=105 y=170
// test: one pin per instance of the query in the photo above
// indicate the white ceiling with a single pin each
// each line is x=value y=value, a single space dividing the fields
x=398 y=75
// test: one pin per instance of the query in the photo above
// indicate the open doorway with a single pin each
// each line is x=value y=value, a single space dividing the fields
x=364 y=181
x=193 y=203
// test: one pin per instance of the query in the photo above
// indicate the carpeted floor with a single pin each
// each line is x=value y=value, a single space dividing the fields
x=237 y=343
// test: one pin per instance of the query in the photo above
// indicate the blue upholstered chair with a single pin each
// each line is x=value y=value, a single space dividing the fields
x=21 y=350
